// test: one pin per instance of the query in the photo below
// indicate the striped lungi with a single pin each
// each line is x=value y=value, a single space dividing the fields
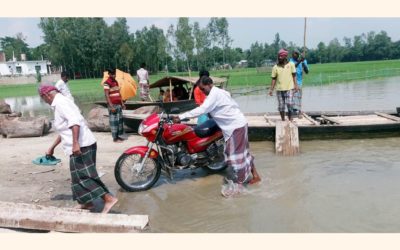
x=116 y=122
x=285 y=98
x=144 y=91
x=297 y=99
x=86 y=183
x=238 y=157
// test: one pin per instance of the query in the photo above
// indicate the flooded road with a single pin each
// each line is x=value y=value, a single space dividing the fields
x=332 y=186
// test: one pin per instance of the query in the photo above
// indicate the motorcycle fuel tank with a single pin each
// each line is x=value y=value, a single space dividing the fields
x=174 y=133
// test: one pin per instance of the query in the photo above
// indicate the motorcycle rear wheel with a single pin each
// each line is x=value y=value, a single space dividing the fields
x=129 y=179
x=216 y=167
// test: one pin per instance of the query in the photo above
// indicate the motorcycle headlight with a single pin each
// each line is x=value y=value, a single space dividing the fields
x=141 y=128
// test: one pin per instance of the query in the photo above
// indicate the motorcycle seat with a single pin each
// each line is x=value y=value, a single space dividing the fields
x=206 y=129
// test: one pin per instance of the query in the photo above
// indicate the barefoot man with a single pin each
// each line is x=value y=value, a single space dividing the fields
x=226 y=113
x=80 y=145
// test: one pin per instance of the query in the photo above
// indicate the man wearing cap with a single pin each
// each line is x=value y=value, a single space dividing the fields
x=301 y=65
x=79 y=144
x=284 y=78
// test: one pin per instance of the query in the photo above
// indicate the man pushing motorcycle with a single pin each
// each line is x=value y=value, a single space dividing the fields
x=226 y=113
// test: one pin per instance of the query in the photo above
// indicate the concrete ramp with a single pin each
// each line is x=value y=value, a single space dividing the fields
x=27 y=216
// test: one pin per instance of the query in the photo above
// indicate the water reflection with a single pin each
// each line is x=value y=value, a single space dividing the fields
x=29 y=106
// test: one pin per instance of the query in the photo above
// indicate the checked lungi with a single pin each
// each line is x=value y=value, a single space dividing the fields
x=144 y=91
x=285 y=98
x=238 y=157
x=116 y=122
x=297 y=99
x=86 y=183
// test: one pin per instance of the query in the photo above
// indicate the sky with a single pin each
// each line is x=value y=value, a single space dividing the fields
x=243 y=31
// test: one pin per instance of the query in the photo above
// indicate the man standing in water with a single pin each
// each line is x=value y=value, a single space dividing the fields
x=301 y=65
x=80 y=145
x=284 y=77
x=115 y=106
x=226 y=113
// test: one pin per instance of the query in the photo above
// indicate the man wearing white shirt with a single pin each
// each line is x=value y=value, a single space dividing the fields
x=62 y=86
x=226 y=113
x=79 y=144
x=143 y=79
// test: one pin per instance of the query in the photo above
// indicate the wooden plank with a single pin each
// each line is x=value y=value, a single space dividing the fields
x=286 y=138
x=17 y=215
x=390 y=117
x=331 y=119
x=269 y=121
x=310 y=119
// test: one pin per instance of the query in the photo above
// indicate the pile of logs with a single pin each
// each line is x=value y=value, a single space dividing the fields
x=12 y=125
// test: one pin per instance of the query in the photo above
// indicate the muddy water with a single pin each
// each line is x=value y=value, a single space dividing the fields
x=381 y=94
x=31 y=106
x=333 y=186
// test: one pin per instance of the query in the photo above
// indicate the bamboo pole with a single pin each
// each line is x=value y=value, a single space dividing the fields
x=304 y=40
x=191 y=85
x=170 y=89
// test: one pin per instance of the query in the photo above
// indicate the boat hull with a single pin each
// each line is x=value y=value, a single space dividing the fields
x=263 y=132
x=183 y=105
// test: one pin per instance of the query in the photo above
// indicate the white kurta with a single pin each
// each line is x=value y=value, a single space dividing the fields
x=142 y=75
x=63 y=88
x=66 y=115
x=223 y=109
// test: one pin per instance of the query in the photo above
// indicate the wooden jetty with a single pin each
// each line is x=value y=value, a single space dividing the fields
x=27 y=216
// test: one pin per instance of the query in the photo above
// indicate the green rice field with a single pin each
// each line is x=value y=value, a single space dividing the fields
x=90 y=89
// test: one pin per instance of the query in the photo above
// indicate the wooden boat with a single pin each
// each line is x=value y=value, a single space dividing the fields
x=171 y=82
x=329 y=125
x=314 y=125
x=132 y=105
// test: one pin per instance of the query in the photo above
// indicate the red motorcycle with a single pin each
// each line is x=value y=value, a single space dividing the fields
x=170 y=147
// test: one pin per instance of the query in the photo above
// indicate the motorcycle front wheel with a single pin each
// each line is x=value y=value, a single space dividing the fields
x=128 y=176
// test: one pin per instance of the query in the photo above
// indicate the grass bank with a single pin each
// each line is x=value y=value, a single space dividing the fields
x=90 y=89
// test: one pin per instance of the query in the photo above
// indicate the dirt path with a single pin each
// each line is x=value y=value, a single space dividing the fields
x=23 y=181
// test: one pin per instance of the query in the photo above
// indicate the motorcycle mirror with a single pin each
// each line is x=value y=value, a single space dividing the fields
x=174 y=110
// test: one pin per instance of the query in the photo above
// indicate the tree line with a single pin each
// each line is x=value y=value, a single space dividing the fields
x=88 y=46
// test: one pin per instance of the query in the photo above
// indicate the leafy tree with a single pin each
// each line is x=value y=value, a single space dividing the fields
x=219 y=31
x=256 y=55
x=14 y=46
x=185 y=40
x=202 y=41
